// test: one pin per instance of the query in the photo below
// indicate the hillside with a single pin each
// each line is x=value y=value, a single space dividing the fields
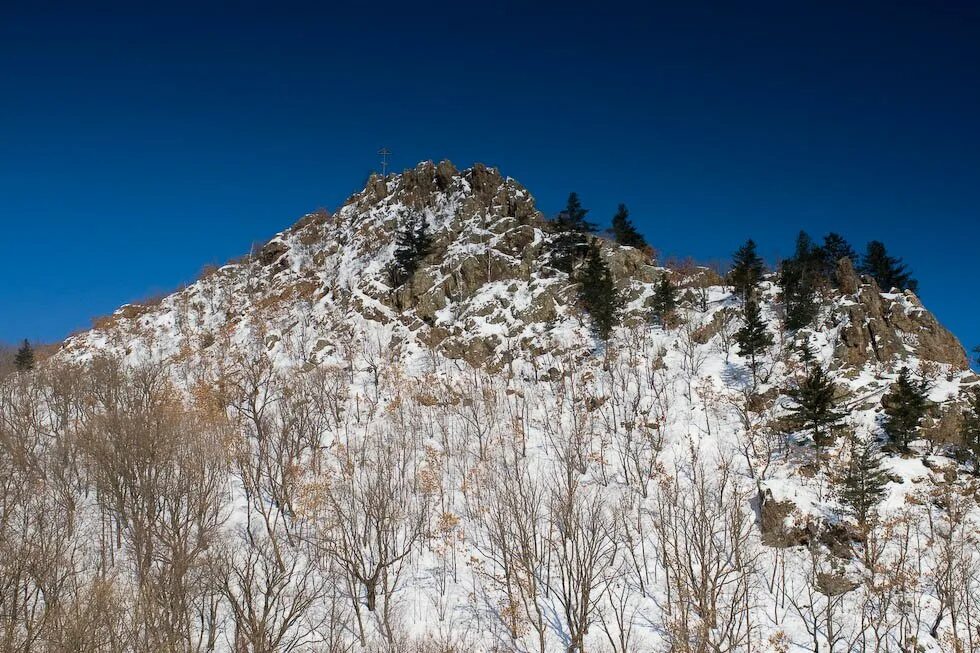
x=294 y=453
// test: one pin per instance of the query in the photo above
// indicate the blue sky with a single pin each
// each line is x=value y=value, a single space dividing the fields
x=138 y=144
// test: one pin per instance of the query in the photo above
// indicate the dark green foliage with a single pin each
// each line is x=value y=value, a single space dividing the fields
x=572 y=218
x=834 y=249
x=863 y=482
x=807 y=253
x=753 y=338
x=24 y=359
x=747 y=270
x=412 y=245
x=800 y=277
x=807 y=355
x=571 y=230
x=623 y=230
x=905 y=405
x=816 y=405
x=664 y=299
x=887 y=270
x=567 y=248
x=598 y=293
x=970 y=430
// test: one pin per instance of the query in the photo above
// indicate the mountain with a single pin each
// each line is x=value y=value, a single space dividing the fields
x=485 y=292
x=295 y=453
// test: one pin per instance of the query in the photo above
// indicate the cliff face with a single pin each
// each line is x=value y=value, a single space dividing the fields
x=884 y=327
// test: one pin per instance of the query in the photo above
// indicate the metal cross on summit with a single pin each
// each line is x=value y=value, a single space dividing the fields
x=384 y=161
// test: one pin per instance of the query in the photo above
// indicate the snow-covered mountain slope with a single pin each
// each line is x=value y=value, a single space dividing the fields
x=485 y=293
x=635 y=495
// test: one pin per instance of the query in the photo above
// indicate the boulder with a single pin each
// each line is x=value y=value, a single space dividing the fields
x=834 y=583
x=782 y=525
x=775 y=525
x=944 y=425
x=847 y=279
x=271 y=253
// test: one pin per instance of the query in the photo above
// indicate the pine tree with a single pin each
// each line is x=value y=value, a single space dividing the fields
x=801 y=302
x=664 y=299
x=24 y=359
x=807 y=354
x=571 y=235
x=413 y=243
x=807 y=253
x=799 y=278
x=753 y=338
x=572 y=218
x=834 y=249
x=905 y=405
x=816 y=404
x=623 y=230
x=970 y=430
x=598 y=293
x=863 y=482
x=747 y=270
x=887 y=270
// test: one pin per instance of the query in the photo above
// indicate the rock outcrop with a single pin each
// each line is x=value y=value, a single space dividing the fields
x=783 y=525
x=888 y=328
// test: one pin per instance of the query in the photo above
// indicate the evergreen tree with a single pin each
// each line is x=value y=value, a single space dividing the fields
x=598 y=293
x=816 y=405
x=863 y=482
x=905 y=405
x=807 y=254
x=571 y=235
x=747 y=270
x=799 y=278
x=887 y=270
x=413 y=243
x=24 y=359
x=664 y=299
x=799 y=298
x=753 y=338
x=623 y=230
x=971 y=428
x=834 y=249
x=572 y=218
x=807 y=354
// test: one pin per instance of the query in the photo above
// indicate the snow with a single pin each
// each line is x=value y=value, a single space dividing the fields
x=329 y=295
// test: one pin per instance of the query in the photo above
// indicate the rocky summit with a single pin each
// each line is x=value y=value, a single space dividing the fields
x=484 y=294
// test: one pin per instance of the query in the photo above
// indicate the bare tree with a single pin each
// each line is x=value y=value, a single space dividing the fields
x=585 y=544
x=704 y=527
x=161 y=476
x=693 y=354
x=366 y=514
x=514 y=509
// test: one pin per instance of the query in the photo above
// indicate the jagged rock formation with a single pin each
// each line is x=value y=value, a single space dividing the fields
x=885 y=327
x=485 y=290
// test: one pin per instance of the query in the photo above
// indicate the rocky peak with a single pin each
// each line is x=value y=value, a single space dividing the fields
x=486 y=292
x=888 y=327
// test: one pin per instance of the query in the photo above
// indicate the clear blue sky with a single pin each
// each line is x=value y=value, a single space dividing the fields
x=138 y=143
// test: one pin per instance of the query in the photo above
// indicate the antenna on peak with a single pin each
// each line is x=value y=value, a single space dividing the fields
x=385 y=153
